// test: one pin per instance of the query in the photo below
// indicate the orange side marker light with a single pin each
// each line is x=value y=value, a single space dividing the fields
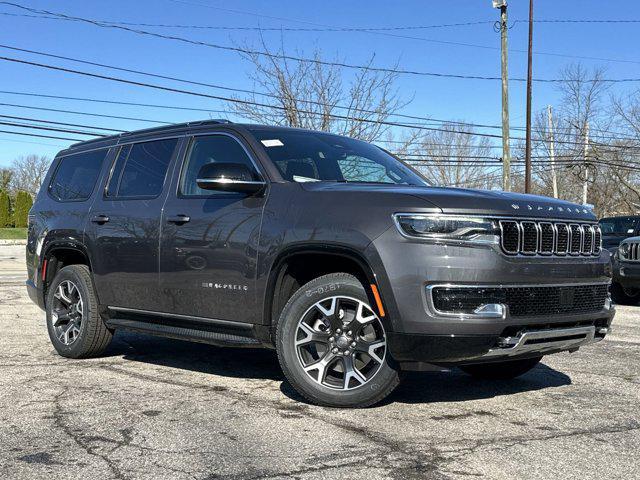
x=376 y=295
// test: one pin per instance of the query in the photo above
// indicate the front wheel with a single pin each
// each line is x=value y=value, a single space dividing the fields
x=624 y=296
x=333 y=347
x=501 y=370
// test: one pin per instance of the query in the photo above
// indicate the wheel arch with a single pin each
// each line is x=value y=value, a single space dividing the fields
x=300 y=264
x=59 y=254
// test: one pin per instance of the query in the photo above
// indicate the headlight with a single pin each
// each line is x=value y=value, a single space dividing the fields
x=623 y=250
x=445 y=227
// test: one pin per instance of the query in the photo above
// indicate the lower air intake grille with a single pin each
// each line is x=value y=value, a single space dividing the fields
x=522 y=301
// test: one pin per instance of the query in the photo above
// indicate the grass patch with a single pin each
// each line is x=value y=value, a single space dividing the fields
x=13 y=233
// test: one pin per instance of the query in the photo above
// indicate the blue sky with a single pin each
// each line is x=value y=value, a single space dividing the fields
x=469 y=100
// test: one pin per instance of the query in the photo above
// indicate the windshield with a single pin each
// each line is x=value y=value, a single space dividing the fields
x=618 y=226
x=314 y=157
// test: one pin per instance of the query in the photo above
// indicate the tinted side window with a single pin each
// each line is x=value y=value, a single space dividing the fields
x=145 y=168
x=76 y=176
x=213 y=149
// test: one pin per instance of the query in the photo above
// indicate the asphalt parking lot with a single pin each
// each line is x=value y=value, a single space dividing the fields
x=157 y=408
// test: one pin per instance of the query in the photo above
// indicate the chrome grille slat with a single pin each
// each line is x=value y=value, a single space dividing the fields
x=540 y=237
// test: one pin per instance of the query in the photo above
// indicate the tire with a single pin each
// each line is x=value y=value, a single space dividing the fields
x=75 y=327
x=501 y=370
x=359 y=371
x=624 y=296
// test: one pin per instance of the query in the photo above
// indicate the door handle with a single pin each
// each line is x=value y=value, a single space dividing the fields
x=100 y=219
x=178 y=219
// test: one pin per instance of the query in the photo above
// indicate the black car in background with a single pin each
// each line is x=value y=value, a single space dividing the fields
x=625 y=261
x=616 y=229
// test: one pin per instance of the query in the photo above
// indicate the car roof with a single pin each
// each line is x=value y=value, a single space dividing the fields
x=109 y=141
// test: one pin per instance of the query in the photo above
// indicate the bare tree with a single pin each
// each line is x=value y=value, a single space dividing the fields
x=454 y=156
x=29 y=172
x=310 y=94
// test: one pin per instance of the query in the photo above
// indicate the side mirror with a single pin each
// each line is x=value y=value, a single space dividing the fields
x=230 y=177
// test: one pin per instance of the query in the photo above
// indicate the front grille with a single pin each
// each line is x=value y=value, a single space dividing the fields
x=522 y=301
x=529 y=237
x=632 y=254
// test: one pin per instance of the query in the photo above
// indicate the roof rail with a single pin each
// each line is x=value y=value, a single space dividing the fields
x=173 y=126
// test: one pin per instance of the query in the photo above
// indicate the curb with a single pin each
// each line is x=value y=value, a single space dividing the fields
x=12 y=242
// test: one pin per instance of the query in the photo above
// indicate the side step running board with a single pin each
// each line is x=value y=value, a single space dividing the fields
x=183 y=333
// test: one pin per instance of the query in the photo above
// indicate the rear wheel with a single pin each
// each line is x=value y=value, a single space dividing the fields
x=332 y=346
x=501 y=370
x=75 y=327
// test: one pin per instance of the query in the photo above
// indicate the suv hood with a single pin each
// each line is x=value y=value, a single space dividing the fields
x=469 y=201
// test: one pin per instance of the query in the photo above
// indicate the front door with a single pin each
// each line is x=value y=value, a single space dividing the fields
x=209 y=238
x=124 y=225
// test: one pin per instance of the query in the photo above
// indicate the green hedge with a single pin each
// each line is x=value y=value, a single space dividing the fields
x=21 y=210
x=5 y=210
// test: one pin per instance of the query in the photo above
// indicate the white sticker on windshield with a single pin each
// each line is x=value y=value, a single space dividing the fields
x=301 y=179
x=272 y=143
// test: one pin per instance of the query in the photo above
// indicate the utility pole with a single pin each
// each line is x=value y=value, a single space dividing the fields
x=586 y=164
x=506 y=152
x=527 y=178
x=552 y=153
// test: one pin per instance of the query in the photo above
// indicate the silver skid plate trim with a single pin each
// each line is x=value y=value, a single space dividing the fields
x=541 y=341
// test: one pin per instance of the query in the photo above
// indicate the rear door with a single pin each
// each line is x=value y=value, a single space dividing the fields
x=123 y=232
x=210 y=238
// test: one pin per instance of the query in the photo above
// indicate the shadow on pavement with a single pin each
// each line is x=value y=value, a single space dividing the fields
x=197 y=357
x=417 y=387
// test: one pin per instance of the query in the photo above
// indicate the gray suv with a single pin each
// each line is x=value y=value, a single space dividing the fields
x=330 y=250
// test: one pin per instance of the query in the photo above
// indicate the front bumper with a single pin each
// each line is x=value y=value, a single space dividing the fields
x=626 y=274
x=422 y=333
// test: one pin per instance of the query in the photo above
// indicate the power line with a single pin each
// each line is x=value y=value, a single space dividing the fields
x=111 y=102
x=371 y=30
x=248 y=51
x=51 y=129
x=252 y=92
x=266 y=29
x=75 y=112
x=13 y=140
x=41 y=136
x=60 y=123
x=247 y=102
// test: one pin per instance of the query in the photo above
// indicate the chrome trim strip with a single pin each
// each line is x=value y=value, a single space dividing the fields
x=511 y=252
x=566 y=250
x=522 y=227
x=554 y=341
x=227 y=181
x=553 y=238
x=432 y=308
x=580 y=234
x=228 y=323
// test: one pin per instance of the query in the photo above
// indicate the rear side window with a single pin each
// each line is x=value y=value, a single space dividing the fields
x=141 y=169
x=76 y=176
